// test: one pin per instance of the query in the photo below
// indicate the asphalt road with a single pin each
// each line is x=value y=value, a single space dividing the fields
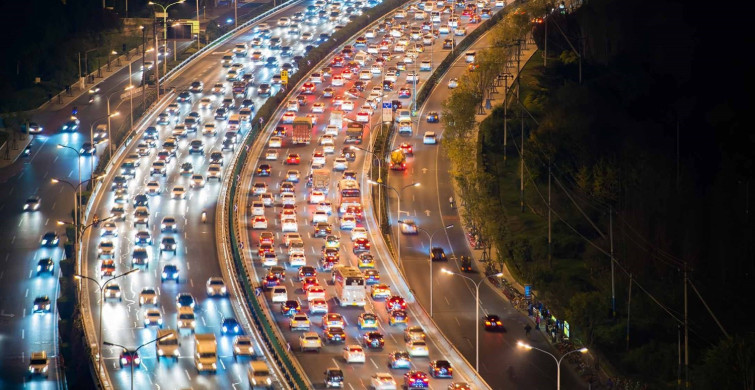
x=315 y=363
x=196 y=250
x=454 y=296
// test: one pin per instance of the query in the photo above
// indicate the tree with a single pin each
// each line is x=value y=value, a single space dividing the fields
x=729 y=365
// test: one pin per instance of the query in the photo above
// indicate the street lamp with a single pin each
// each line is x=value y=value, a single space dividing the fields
x=398 y=214
x=102 y=302
x=528 y=347
x=477 y=311
x=136 y=352
x=165 y=31
x=430 y=236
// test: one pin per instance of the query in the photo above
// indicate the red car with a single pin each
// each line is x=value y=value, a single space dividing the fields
x=270 y=281
x=416 y=380
x=357 y=211
x=337 y=62
x=308 y=88
x=293 y=159
x=361 y=245
x=328 y=263
x=280 y=131
x=406 y=148
x=395 y=303
x=307 y=271
x=404 y=93
x=267 y=238
x=309 y=281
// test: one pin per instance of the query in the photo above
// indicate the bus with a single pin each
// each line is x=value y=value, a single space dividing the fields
x=350 y=286
x=348 y=193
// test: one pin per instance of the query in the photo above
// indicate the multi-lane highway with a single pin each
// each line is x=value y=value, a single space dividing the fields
x=195 y=254
x=274 y=156
x=453 y=296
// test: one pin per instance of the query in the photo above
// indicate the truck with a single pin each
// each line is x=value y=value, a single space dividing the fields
x=321 y=180
x=354 y=132
x=302 y=130
x=398 y=160
x=205 y=352
x=167 y=345
x=336 y=119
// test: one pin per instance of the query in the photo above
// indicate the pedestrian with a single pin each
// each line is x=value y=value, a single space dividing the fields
x=527 y=329
x=529 y=309
x=537 y=322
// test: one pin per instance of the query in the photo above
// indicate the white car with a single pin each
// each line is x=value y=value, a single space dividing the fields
x=205 y=103
x=216 y=287
x=271 y=154
x=288 y=198
x=297 y=260
x=363 y=117
x=331 y=130
x=325 y=206
x=357 y=233
x=318 y=159
x=279 y=294
x=365 y=75
x=275 y=142
x=337 y=81
x=340 y=164
x=209 y=129
x=429 y=138
x=318 y=107
x=316 y=196
x=310 y=341
x=179 y=192
x=417 y=348
x=318 y=306
x=258 y=208
x=353 y=354
x=319 y=216
x=269 y=259
x=292 y=105
x=259 y=222
x=383 y=381
x=289 y=225
x=347 y=105
x=348 y=222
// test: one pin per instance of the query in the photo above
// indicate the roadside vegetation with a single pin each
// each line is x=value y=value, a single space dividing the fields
x=643 y=161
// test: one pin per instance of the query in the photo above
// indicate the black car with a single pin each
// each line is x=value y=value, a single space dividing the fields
x=263 y=170
x=143 y=238
x=335 y=335
x=228 y=144
x=184 y=97
x=216 y=158
x=373 y=340
x=185 y=299
x=333 y=378
x=247 y=103
x=221 y=114
x=323 y=38
x=466 y=264
x=168 y=244
x=437 y=254
x=441 y=369
x=197 y=87
x=271 y=62
x=170 y=272
x=141 y=200
x=120 y=182
x=50 y=239
x=45 y=265
x=493 y=323
x=87 y=149
x=196 y=146
x=263 y=90
x=42 y=304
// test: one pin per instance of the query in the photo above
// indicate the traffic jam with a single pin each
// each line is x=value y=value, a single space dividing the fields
x=312 y=254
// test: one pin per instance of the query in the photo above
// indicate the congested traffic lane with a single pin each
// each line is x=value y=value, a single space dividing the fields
x=20 y=332
x=332 y=354
x=454 y=297
x=195 y=240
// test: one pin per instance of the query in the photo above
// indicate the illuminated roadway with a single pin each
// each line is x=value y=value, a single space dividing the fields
x=454 y=297
x=315 y=363
x=196 y=249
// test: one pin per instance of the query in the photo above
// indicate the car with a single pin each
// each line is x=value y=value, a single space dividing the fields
x=433 y=117
x=399 y=360
x=493 y=323
x=45 y=265
x=263 y=170
x=148 y=296
x=367 y=321
x=441 y=369
x=71 y=125
x=140 y=256
x=113 y=291
x=270 y=281
x=290 y=308
x=50 y=239
x=259 y=222
x=408 y=226
x=216 y=287
x=242 y=346
x=453 y=83
x=129 y=358
x=42 y=304
x=378 y=291
x=417 y=348
x=334 y=335
x=185 y=318
x=106 y=249
x=32 y=203
x=230 y=326
x=178 y=192
x=353 y=354
x=310 y=341
x=358 y=232
x=315 y=292
x=437 y=254
x=396 y=317
x=107 y=268
x=293 y=159
x=153 y=317
x=383 y=381
x=38 y=364
x=365 y=261
x=395 y=302
x=429 y=138
x=299 y=321
x=168 y=244
x=331 y=320
x=416 y=380
x=361 y=244
x=170 y=272
x=271 y=154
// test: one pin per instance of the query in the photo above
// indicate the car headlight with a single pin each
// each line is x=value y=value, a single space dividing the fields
x=165 y=274
x=162 y=246
x=225 y=328
x=193 y=323
x=160 y=352
x=124 y=360
x=39 y=268
x=44 y=242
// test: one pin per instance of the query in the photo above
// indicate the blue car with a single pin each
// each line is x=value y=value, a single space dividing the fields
x=170 y=272
x=230 y=327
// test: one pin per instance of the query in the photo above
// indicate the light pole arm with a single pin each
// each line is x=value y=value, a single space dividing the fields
x=79 y=276
x=121 y=275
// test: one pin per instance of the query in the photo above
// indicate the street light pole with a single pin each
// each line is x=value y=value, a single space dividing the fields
x=477 y=312
x=102 y=302
x=136 y=352
x=380 y=175
x=528 y=347
x=110 y=115
x=77 y=198
x=430 y=236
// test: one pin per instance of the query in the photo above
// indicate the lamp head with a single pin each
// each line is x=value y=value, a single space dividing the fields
x=583 y=350
x=524 y=345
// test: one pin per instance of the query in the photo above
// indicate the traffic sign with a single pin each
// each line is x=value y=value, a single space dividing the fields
x=387 y=105
x=284 y=76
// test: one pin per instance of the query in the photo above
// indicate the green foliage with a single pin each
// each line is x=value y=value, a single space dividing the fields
x=733 y=356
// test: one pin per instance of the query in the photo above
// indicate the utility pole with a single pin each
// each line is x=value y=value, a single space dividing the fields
x=545 y=51
x=521 y=161
x=157 y=67
x=505 y=112
x=144 y=68
x=629 y=306
x=686 y=333
x=235 y=13
x=613 y=285
x=550 y=254
x=679 y=353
